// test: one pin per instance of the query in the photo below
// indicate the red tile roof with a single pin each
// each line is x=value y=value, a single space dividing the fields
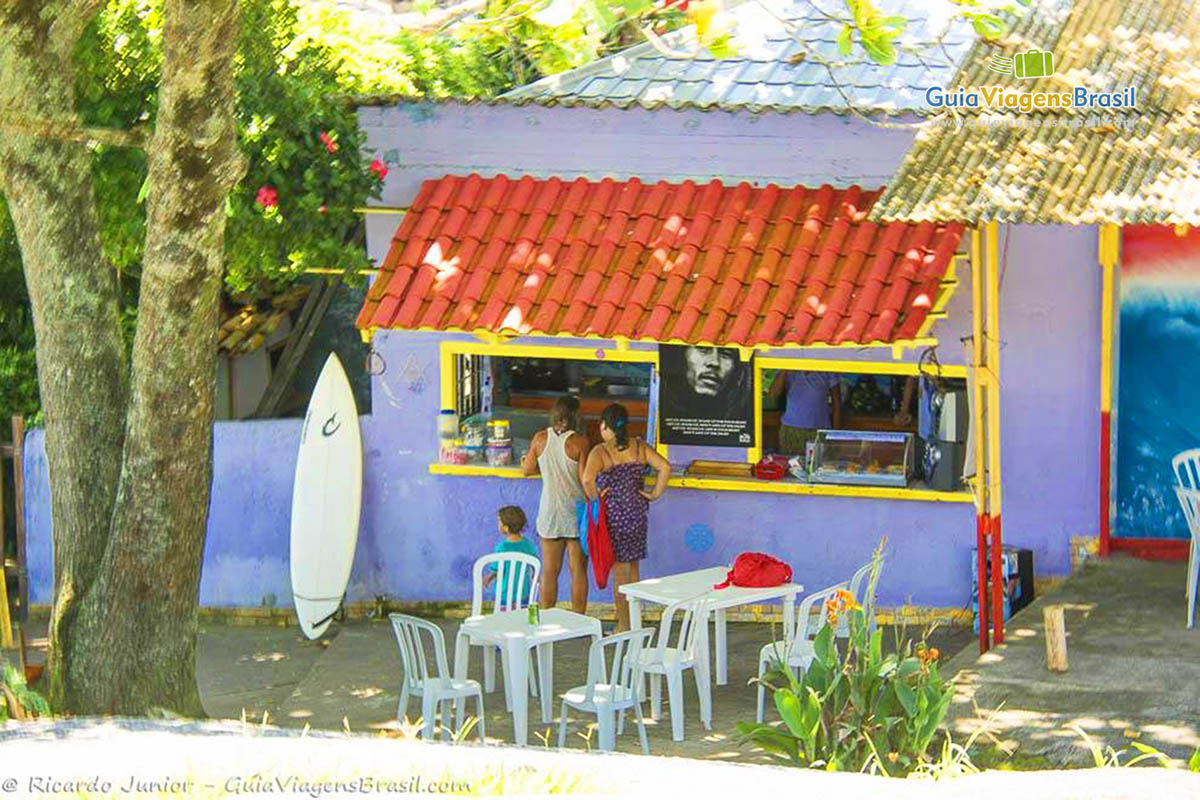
x=709 y=263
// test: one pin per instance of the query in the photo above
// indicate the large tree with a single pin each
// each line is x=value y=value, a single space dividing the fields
x=128 y=444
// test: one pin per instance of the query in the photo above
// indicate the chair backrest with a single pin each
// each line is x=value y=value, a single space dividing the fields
x=1190 y=500
x=806 y=625
x=623 y=669
x=408 y=632
x=861 y=588
x=691 y=614
x=522 y=573
x=1187 y=468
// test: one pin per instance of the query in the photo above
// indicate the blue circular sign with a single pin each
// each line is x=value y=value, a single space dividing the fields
x=698 y=537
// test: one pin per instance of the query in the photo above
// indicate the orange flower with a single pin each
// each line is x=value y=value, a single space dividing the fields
x=928 y=654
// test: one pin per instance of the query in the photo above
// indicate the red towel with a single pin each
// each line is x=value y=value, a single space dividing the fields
x=600 y=548
x=757 y=570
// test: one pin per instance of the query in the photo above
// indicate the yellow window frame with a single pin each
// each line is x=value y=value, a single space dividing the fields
x=619 y=352
x=904 y=368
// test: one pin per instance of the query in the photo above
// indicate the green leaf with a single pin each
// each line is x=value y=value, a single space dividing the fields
x=824 y=648
x=907 y=698
x=722 y=47
x=845 y=40
x=789 y=709
x=1194 y=761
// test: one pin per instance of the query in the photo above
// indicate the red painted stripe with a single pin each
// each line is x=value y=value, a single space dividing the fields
x=997 y=584
x=1152 y=549
x=1105 y=478
x=981 y=526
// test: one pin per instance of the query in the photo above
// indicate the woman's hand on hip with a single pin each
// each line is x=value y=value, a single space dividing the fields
x=650 y=497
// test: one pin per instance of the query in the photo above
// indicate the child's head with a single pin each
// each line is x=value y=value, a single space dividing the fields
x=512 y=520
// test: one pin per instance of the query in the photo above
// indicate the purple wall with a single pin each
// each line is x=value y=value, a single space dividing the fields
x=420 y=532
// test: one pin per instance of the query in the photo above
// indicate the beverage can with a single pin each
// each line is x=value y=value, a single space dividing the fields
x=535 y=616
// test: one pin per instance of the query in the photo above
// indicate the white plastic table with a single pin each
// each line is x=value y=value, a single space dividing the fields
x=512 y=632
x=692 y=585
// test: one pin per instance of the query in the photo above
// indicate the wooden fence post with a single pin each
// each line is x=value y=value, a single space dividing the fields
x=1056 y=638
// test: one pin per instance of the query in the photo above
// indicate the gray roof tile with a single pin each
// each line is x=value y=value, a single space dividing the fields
x=764 y=74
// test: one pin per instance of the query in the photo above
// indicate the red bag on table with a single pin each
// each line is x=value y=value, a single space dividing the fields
x=599 y=542
x=757 y=570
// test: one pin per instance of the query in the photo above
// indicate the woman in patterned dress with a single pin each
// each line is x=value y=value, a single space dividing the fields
x=617 y=469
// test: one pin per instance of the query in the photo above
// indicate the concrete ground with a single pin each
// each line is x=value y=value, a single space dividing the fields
x=353 y=681
x=1133 y=674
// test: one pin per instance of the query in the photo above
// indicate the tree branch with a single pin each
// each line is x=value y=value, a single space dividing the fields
x=70 y=131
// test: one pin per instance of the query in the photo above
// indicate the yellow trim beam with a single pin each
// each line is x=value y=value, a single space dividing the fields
x=993 y=366
x=979 y=428
x=741 y=485
x=1110 y=249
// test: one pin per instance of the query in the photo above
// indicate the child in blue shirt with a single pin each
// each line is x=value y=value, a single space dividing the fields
x=511 y=522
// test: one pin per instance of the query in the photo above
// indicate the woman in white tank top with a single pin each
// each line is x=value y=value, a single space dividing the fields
x=559 y=454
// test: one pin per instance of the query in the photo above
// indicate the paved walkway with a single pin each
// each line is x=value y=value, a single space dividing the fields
x=1134 y=669
x=354 y=681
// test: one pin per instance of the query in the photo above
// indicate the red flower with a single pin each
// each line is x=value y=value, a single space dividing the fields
x=322 y=210
x=330 y=143
x=267 y=197
x=379 y=168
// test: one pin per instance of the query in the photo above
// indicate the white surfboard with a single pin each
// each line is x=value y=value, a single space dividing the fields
x=326 y=500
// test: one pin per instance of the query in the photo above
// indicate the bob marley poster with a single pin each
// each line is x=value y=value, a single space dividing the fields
x=705 y=396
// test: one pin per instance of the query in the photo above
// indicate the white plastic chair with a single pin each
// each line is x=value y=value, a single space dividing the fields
x=670 y=660
x=523 y=572
x=1187 y=475
x=438 y=690
x=797 y=648
x=611 y=690
x=860 y=587
x=1190 y=500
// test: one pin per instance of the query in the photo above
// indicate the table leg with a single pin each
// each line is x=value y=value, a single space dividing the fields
x=545 y=656
x=635 y=613
x=722 y=652
x=704 y=679
x=517 y=677
x=789 y=616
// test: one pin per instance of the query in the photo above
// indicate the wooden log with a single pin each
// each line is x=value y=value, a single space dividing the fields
x=1056 y=638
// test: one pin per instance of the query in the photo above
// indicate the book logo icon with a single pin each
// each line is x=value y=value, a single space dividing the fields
x=1030 y=64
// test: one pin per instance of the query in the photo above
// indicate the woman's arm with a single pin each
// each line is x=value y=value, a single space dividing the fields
x=584 y=450
x=662 y=467
x=595 y=465
x=529 y=462
x=778 y=388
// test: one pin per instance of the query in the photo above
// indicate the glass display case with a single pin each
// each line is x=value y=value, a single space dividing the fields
x=862 y=458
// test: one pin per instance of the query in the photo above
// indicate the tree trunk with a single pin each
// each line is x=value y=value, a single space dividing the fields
x=74 y=296
x=151 y=568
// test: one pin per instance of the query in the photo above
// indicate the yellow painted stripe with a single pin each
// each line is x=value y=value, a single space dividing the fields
x=741 y=485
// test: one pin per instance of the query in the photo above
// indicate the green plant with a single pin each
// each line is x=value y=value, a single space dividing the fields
x=859 y=710
x=17 y=700
x=1108 y=757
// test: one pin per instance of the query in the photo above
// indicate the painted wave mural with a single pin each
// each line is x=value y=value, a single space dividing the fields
x=1158 y=401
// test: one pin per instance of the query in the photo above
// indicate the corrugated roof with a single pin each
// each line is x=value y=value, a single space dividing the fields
x=710 y=263
x=1128 y=167
x=787 y=61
